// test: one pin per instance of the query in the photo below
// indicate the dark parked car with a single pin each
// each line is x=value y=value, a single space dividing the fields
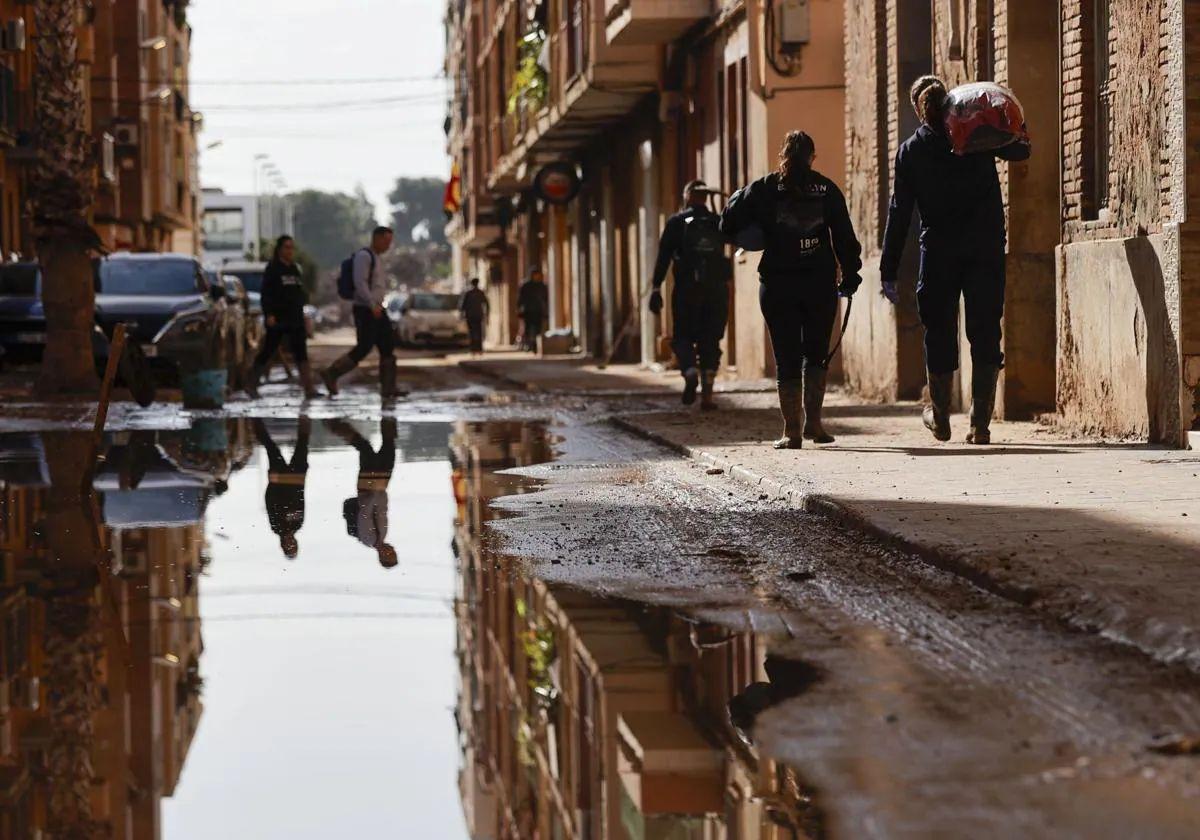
x=169 y=307
x=22 y=322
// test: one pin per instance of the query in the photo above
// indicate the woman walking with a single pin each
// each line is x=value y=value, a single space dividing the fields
x=808 y=235
x=963 y=241
x=283 y=301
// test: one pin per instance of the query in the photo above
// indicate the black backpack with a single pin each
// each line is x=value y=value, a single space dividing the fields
x=345 y=283
x=702 y=258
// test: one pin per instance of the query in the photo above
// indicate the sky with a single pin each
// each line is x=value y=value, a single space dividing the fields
x=334 y=135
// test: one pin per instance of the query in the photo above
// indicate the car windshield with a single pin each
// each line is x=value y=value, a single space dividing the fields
x=434 y=303
x=148 y=277
x=18 y=279
x=252 y=279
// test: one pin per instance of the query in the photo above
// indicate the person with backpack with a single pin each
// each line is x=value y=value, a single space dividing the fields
x=474 y=307
x=533 y=302
x=806 y=235
x=963 y=239
x=363 y=282
x=285 y=485
x=693 y=247
x=283 y=301
x=366 y=513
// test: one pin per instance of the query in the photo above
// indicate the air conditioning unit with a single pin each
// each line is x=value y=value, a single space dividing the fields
x=125 y=134
x=12 y=36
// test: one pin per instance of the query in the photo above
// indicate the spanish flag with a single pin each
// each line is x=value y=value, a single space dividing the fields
x=452 y=201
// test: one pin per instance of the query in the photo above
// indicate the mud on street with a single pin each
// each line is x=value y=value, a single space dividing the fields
x=489 y=612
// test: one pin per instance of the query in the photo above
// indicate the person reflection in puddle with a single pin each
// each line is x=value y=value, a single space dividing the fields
x=285 y=485
x=367 y=514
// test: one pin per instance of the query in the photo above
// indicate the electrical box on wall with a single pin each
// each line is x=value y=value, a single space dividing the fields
x=795 y=24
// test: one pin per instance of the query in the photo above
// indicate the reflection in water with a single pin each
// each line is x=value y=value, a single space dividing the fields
x=367 y=513
x=285 y=484
x=583 y=717
x=99 y=584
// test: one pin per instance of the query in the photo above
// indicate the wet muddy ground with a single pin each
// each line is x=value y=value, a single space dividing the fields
x=494 y=615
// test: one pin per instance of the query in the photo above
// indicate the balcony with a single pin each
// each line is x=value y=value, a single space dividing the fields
x=651 y=22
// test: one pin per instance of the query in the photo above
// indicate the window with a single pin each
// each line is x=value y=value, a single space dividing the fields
x=1096 y=82
x=224 y=230
x=149 y=277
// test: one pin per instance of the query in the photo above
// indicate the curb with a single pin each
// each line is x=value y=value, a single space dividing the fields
x=1073 y=613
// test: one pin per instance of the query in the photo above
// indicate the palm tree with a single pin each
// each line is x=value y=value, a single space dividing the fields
x=61 y=191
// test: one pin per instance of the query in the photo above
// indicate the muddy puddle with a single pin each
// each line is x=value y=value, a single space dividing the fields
x=287 y=629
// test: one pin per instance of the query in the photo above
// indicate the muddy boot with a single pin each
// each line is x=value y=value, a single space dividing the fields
x=983 y=403
x=307 y=380
x=335 y=371
x=387 y=377
x=708 y=379
x=937 y=414
x=814 y=402
x=691 y=382
x=791 y=406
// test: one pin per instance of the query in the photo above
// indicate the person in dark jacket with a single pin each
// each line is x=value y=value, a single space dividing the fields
x=693 y=247
x=475 y=307
x=285 y=485
x=808 y=234
x=533 y=304
x=283 y=301
x=367 y=513
x=963 y=240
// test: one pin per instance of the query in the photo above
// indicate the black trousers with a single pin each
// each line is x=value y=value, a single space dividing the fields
x=533 y=328
x=297 y=343
x=800 y=312
x=978 y=279
x=701 y=316
x=372 y=333
x=475 y=329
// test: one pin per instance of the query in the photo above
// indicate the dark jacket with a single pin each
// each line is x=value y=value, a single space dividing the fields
x=283 y=295
x=676 y=251
x=958 y=197
x=806 y=227
x=474 y=305
x=533 y=300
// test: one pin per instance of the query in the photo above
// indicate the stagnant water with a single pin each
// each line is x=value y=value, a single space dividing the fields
x=290 y=629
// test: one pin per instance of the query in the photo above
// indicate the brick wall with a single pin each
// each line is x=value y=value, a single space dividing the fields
x=866 y=120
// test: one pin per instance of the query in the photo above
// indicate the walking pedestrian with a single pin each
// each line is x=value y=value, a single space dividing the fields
x=283 y=302
x=808 y=234
x=475 y=308
x=693 y=247
x=366 y=513
x=372 y=327
x=285 y=485
x=533 y=303
x=963 y=240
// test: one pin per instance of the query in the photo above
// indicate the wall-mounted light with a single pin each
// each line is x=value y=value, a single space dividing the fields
x=155 y=44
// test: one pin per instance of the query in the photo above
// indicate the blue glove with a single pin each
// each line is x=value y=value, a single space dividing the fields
x=890 y=291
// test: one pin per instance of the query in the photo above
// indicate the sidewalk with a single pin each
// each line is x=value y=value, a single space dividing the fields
x=1104 y=536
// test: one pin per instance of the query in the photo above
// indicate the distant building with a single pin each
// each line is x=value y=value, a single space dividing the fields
x=234 y=225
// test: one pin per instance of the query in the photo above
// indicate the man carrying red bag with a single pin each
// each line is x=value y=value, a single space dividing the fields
x=947 y=171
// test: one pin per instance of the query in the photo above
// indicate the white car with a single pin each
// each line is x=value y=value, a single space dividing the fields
x=428 y=319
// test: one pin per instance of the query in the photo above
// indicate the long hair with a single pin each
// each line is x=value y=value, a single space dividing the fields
x=279 y=243
x=928 y=96
x=795 y=158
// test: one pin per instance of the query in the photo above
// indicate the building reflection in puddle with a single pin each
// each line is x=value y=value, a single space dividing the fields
x=585 y=717
x=100 y=676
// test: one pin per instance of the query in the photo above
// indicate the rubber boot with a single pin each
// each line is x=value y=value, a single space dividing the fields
x=691 y=381
x=814 y=402
x=937 y=414
x=309 y=383
x=335 y=371
x=791 y=406
x=387 y=377
x=983 y=403
x=708 y=379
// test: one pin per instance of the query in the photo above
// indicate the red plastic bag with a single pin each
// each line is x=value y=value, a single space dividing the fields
x=983 y=117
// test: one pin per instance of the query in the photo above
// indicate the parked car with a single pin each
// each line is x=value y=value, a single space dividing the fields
x=427 y=318
x=22 y=321
x=169 y=307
